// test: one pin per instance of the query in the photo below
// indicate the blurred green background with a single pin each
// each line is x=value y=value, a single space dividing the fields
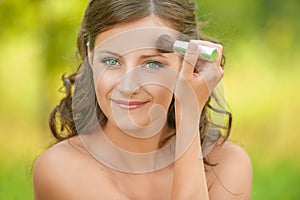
x=262 y=79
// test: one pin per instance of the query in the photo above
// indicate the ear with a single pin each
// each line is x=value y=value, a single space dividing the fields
x=89 y=53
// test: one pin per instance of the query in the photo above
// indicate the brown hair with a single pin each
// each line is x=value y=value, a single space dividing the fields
x=99 y=16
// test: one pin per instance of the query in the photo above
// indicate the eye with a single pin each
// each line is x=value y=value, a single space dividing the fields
x=110 y=62
x=153 y=65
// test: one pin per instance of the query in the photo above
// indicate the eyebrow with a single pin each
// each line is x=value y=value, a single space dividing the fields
x=110 y=52
x=152 y=55
x=144 y=56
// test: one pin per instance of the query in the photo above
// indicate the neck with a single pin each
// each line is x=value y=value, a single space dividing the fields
x=134 y=144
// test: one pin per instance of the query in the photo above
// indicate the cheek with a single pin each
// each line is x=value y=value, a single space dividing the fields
x=104 y=86
x=161 y=95
x=176 y=62
x=105 y=80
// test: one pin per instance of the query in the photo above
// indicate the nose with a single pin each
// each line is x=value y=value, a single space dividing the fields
x=129 y=83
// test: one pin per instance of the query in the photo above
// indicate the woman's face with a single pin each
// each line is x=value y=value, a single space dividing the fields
x=134 y=82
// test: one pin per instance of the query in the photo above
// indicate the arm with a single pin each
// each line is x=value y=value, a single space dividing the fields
x=192 y=91
x=189 y=181
x=61 y=174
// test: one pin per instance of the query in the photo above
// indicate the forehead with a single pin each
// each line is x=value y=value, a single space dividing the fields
x=127 y=37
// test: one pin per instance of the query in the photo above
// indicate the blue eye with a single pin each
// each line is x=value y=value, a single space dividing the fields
x=110 y=62
x=153 y=65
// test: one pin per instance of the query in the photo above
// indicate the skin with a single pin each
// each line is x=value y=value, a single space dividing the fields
x=68 y=171
x=109 y=88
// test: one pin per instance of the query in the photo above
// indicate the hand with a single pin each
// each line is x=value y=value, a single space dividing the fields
x=212 y=75
x=197 y=79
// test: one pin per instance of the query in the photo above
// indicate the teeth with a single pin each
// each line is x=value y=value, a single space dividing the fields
x=128 y=106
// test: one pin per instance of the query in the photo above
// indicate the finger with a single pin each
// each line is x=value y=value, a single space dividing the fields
x=219 y=48
x=190 y=60
x=201 y=63
x=211 y=75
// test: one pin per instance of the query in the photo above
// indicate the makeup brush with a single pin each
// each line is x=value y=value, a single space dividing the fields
x=168 y=44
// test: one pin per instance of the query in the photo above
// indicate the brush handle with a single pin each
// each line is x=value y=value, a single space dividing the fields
x=207 y=52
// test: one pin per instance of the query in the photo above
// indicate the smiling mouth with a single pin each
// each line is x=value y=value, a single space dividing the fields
x=129 y=105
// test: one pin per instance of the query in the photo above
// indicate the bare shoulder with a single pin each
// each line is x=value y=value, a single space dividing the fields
x=66 y=172
x=231 y=178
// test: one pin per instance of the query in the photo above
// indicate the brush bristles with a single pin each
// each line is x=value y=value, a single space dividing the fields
x=165 y=43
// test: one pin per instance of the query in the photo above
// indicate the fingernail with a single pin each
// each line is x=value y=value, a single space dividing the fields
x=222 y=71
x=192 y=47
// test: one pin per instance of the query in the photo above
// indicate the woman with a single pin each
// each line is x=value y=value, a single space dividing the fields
x=137 y=119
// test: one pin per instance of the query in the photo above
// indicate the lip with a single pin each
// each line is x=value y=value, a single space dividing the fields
x=129 y=105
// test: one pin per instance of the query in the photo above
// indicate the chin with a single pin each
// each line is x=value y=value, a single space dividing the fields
x=132 y=125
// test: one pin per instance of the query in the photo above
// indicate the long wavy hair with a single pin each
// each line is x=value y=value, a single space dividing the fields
x=80 y=103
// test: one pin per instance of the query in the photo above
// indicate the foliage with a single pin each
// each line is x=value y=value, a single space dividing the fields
x=38 y=39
